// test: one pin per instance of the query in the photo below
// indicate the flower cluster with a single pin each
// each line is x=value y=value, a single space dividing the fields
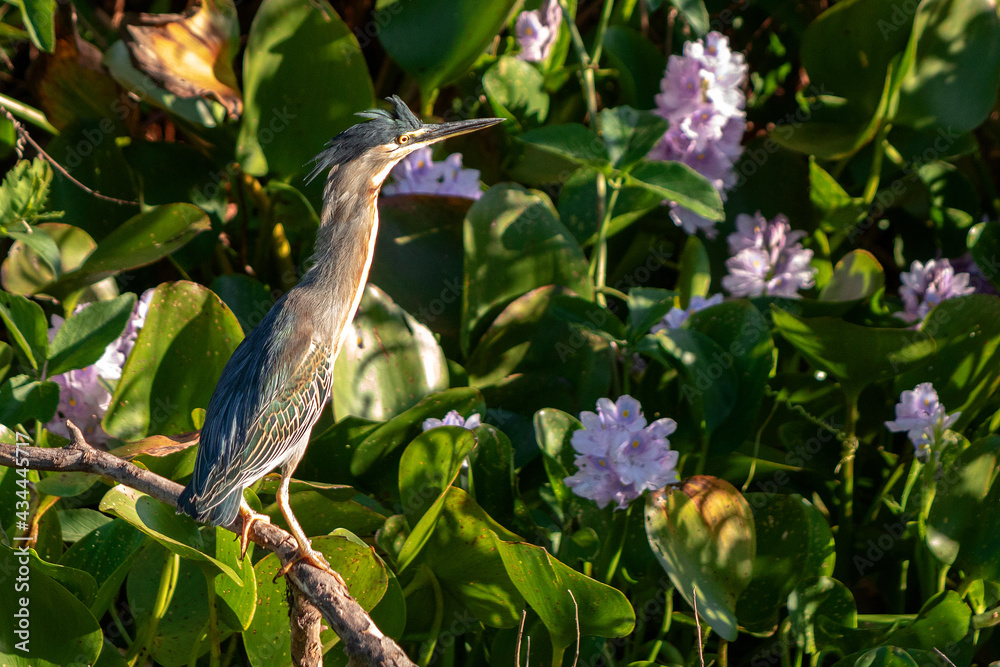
x=767 y=258
x=922 y=416
x=85 y=393
x=619 y=456
x=678 y=316
x=537 y=31
x=418 y=173
x=454 y=419
x=702 y=100
x=927 y=285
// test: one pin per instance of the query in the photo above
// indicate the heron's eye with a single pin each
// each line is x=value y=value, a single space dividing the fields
x=403 y=139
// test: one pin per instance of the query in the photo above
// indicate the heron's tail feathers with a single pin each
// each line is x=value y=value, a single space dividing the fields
x=216 y=511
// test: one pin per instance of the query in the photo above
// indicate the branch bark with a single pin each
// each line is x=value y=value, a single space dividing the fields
x=304 y=617
x=363 y=642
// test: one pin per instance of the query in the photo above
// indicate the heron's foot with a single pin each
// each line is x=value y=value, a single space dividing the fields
x=314 y=558
x=249 y=517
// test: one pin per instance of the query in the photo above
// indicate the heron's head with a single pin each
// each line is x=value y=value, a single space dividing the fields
x=370 y=150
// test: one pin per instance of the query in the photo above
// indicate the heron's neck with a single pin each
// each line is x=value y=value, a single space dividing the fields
x=345 y=244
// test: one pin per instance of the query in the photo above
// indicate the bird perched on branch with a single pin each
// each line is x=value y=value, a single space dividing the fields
x=278 y=379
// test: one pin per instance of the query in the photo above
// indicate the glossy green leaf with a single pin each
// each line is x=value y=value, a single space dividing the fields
x=553 y=433
x=81 y=339
x=321 y=508
x=26 y=328
x=578 y=206
x=401 y=429
x=178 y=357
x=429 y=465
x=77 y=523
x=854 y=354
x=883 y=656
x=710 y=384
x=960 y=528
x=462 y=553
x=551 y=587
x=235 y=602
x=26 y=272
x=954 y=81
x=572 y=141
x=23 y=400
x=59 y=630
x=695 y=271
x=516 y=90
x=646 y=307
x=176 y=532
x=436 y=41
x=676 y=182
x=39 y=22
x=639 y=62
x=855 y=277
x=248 y=298
x=703 y=535
x=943 y=621
x=514 y=243
x=142 y=240
x=629 y=134
x=492 y=471
x=819 y=608
x=107 y=553
x=744 y=337
x=794 y=542
x=388 y=363
x=268 y=638
x=303 y=79
x=695 y=13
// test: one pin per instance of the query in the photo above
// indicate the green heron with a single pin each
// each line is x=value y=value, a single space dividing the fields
x=280 y=377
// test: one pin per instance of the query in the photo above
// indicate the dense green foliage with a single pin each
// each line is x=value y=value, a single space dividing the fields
x=801 y=527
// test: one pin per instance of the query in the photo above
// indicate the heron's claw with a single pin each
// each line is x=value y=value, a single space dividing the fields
x=312 y=557
x=249 y=517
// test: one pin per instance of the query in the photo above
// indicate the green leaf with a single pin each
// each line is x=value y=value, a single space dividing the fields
x=42 y=245
x=178 y=357
x=743 y=335
x=247 y=297
x=709 y=384
x=436 y=41
x=820 y=609
x=322 y=507
x=984 y=242
x=883 y=656
x=695 y=13
x=107 y=552
x=695 y=271
x=514 y=243
x=142 y=240
x=61 y=631
x=578 y=206
x=38 y=18
x=646 y=307
x=295 y=55
x=572 y=141
x=23 y=400
x=492 y=473
x=27 y=272
x=678 y=183
x=516 y=90
x=857 y=276
x=388 y=362
x=462 y=553
x=26 y=327
x=960 y=528
x=429 y=465
x=399 y=430
x=943 y=621
x=177 y=532
x=629 y=134
x=954 y=80
x=82 y=338
x=551 y=587
x=639 y=62
x=703 y=535
x=268 y=638
x=794 y=542
x=235 y=602
x=77 y=523
x=854 y=354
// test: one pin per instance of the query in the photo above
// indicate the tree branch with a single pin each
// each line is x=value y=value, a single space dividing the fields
x=304 y=617
x=363 y=642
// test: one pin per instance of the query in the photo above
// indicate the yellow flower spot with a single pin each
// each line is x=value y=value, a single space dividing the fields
x=602 y=463
x=624 y=413
x=635 y=444
x=72 y=401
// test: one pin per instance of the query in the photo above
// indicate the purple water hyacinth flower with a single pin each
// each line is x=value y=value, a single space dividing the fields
x=537 y=31
x=418 y=173
x=454 y=419
x=978 y=279
x=920 y=414
x=767 y=258
x=927 y=285
x=85 y=393
x=702 y=100
x=619 y=456
x=678 y=316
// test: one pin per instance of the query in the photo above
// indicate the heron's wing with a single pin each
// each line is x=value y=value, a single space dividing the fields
x=268 y=398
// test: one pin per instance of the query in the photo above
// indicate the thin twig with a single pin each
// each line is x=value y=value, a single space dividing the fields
x=58 y=167
x=576 y=619
x=697 y=624
x=363 y=642
x=520 y=633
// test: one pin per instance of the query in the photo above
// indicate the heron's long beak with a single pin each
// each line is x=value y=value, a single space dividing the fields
x=440 y=131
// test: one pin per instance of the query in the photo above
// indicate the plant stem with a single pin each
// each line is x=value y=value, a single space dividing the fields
x=845 y=534
x=621 y=532
x=427 y=652
x=599 y=263
x=27 y=113
x=215 y=652
x=168 y=582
